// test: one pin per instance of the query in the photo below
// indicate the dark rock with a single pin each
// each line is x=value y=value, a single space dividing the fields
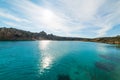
x=63 y=77
x=77 y=73
x=105 y=66
x=16 y=34
x=111 y=58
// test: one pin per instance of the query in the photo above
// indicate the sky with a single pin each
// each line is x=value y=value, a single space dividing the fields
x=75 y=18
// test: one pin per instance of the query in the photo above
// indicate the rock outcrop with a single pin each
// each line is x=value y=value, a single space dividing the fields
x=7 y=34
x=16 y=34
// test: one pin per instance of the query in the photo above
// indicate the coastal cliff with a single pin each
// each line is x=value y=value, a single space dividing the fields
x=16 y=34
x=13 y=34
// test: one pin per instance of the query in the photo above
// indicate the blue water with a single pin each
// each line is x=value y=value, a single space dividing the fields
x=59 y=60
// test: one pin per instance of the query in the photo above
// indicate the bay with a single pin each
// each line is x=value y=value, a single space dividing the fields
x=59 y=60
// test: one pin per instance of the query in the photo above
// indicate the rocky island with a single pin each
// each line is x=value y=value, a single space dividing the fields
x=13 y=34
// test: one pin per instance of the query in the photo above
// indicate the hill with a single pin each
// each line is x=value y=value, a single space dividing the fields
x=16 y=34
x=13 y=34
x=110 y=40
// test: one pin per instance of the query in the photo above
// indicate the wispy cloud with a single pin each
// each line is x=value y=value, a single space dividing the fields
x=41 y=17
x=4 y=13
x=107 y=16
x=65 y=17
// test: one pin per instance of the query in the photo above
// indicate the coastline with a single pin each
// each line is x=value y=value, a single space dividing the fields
x=13 y=34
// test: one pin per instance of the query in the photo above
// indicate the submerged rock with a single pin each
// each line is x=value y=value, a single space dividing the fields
x=112 y=58
x=79 y=72
x=105 y=66
x=63 y=77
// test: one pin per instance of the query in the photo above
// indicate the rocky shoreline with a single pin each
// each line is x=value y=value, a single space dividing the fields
x=13 y=34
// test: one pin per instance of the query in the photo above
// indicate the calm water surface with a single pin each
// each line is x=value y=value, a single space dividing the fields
x=59 y=60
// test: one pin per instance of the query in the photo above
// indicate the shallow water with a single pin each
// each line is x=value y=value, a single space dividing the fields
x=59 y=60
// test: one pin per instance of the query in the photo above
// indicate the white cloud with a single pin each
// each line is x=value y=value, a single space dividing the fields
x=82 y=9
x=44 y=18
x=67 y=16
x=10 y=24
x=6 y=14
x=40 y=16
x=107 y=17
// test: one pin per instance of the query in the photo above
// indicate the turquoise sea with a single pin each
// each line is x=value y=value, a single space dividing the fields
x=59 y=60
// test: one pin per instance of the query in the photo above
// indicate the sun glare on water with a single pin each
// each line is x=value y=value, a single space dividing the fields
x=44 y=44
x=46 y=62
x=46 y=59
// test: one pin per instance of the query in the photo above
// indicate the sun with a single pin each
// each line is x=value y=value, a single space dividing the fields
x=48 y=15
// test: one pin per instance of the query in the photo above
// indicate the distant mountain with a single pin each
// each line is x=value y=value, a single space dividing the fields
x=13 y=34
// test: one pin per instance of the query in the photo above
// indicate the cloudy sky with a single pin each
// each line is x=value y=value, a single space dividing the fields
x=78 y=18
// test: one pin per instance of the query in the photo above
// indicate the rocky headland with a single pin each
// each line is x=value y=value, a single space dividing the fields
x=13 y=34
